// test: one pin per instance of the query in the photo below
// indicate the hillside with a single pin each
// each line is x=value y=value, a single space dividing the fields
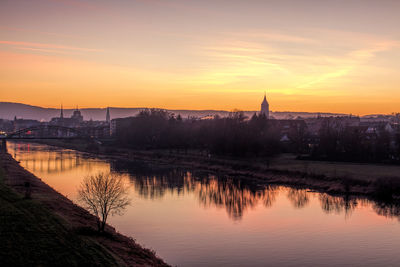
x=9 y=110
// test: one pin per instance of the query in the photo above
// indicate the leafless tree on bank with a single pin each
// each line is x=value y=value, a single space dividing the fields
x=104 y=194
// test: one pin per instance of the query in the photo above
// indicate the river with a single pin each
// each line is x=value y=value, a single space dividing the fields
x=193 y=218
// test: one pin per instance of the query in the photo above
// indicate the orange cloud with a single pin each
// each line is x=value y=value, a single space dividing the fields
x=46 y=45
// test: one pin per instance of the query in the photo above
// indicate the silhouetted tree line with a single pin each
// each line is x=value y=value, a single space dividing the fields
x=236 y=135
x=232 y=135
x=355 y=144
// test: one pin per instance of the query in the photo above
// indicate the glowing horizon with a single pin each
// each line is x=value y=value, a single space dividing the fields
x=338 y=57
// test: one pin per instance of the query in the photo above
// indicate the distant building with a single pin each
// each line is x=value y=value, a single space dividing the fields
x=314 y=125
x=19 y=124
x=378 y=128
x=6 y=126
x=289 y=127
x=74 y=121
x=265 y=107
x=117 y=124
x=77 y=116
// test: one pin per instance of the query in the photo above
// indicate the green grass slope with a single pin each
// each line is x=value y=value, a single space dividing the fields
x=30 y=235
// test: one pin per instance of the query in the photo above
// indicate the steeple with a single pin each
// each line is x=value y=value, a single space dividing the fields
x=62 y=112
x=265 y=97
x=108 y=115
x=265 y=107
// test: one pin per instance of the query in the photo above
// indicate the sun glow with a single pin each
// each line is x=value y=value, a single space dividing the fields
x=221 y=62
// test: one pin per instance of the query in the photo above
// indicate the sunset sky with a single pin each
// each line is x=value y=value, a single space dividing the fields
x=309 y=55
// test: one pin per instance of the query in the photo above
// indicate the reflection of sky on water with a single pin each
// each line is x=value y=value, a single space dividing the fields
x=194 y=218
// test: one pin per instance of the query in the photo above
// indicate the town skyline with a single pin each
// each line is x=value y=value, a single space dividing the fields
x=249 y=112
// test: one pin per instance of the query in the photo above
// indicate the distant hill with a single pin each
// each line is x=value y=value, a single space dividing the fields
x=9 y=110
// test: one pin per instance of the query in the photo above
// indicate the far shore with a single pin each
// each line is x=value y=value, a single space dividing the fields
x=337 y=178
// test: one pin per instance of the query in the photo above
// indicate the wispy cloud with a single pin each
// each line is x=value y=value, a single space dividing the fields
x=235 y=62
x=48 y=50
x=326 y=76
x=288 y=60
x=274 y=36
x=78 y=4
x=351 y=61
x=369 y=52
x=43 y=33
x=46 y=45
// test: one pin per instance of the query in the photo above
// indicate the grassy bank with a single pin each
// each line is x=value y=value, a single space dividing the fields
x=31 y=235
x=367 y=172
x=49 y=230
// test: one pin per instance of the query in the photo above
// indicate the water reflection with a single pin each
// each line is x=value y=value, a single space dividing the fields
x=51 y=160
x=389 y=210
x=224 y=192
x=298 y=197
x=235 y=195
x=338 y=205
x=198 y=218
x=62 y=169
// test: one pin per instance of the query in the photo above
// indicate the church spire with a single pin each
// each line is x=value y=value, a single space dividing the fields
x=265 y=106
x=62 y=112
x=108 y=115
x=265 y=98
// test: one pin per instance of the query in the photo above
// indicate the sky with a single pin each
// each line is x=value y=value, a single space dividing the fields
x=307 y=55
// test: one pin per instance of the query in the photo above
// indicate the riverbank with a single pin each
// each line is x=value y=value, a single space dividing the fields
x=47 y=229
x=372 y=180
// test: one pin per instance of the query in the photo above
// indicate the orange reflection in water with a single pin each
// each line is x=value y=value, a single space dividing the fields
x=193 y=218
x=62 y=169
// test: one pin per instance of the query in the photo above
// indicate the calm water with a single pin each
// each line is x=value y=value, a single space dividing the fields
x=196 y=219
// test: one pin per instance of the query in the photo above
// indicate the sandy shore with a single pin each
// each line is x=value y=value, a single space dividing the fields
x=125 y=250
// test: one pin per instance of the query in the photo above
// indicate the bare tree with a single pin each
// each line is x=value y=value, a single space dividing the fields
x=104 y=194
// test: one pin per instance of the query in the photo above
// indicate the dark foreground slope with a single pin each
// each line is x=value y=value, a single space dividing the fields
x=49 y=230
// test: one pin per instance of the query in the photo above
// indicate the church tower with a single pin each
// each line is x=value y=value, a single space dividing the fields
x=265 y=107
x=108 y=115
x=62 y=112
